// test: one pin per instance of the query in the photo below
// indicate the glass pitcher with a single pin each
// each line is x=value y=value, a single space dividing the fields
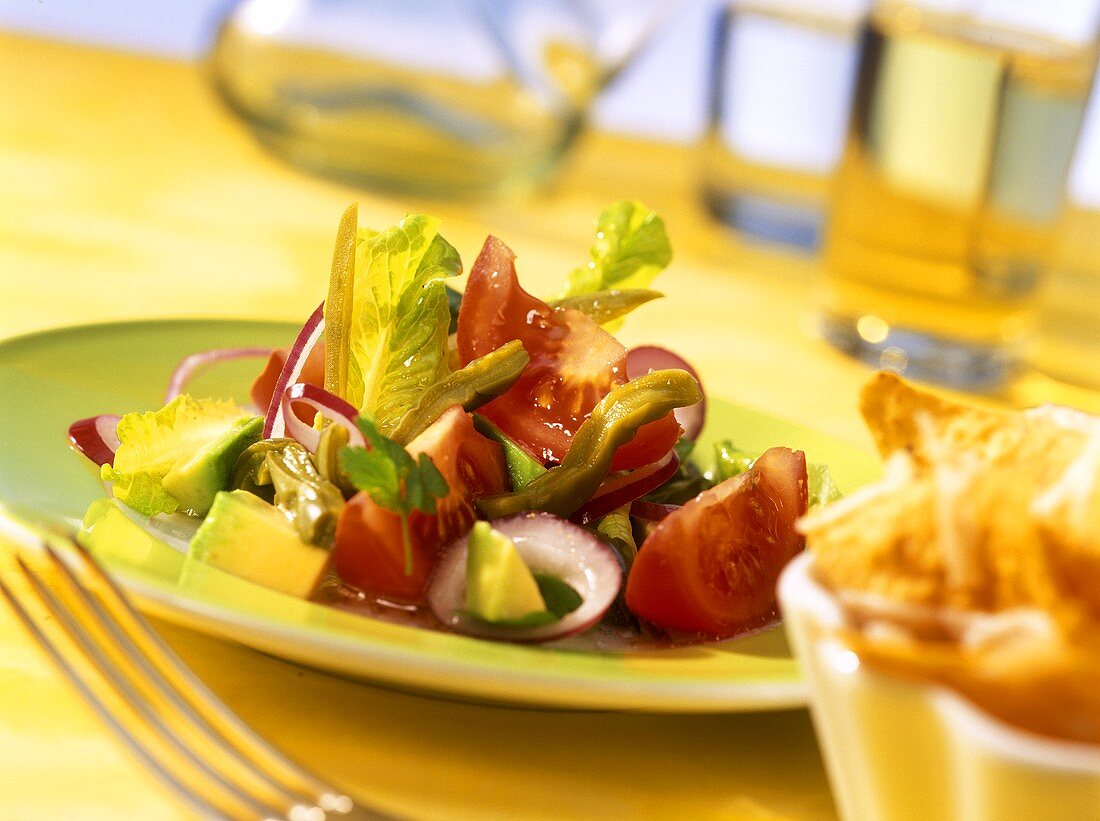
x=452 y=98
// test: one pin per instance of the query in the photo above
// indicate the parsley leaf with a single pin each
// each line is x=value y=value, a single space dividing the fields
x=393 y=479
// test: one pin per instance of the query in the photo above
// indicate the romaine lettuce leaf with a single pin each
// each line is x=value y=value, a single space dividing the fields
x=151 y=443
x=398 y=335
x=631 y=248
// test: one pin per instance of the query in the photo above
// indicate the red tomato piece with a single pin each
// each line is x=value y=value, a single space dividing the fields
x=711 y=566
x=574 y=364
x=369 y=553
x=264 y=384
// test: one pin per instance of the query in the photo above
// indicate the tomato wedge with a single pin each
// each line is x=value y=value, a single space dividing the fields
x=369 y=553
x=574 y=364
x=264 y=384
x=711 y=566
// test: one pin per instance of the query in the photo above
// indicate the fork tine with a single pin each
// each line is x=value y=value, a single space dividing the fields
x=153 y=677
x=151 y=665
x=195 y=802
x=210 y=707
x=86 y=644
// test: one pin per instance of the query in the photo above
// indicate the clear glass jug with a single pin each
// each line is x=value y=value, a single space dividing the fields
x=455 y=98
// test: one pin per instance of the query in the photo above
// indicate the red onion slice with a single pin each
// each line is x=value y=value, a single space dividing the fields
x=308 y=338
x=651 y=511
x=550 y=546
x=190 y=365
x=328 y=405
x=624 y=489
x=646 y=358
x=96 y=437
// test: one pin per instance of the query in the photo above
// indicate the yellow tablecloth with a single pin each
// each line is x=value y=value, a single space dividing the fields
x=127 y=191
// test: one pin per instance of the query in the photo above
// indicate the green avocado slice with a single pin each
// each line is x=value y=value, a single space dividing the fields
x=500 y=588
x=194 y=481
x=247 y=537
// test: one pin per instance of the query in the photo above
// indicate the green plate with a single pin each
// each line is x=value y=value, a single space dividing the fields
x=49 y=379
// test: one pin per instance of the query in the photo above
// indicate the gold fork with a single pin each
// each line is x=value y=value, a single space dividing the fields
x=213 y=762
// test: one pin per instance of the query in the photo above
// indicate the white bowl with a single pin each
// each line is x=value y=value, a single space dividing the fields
x=901 y=749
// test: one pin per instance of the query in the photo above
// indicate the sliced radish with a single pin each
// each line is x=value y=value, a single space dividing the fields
x=190 y=365
x=96 y=437
x=312 y=333
x=331 y=407
x=549 y=546
x=626 y=487
x=646 y=358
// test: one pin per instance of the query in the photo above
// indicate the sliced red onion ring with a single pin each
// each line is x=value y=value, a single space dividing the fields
x=651 y=511
x=625 y=488
x=96 y=437
x=331 y=407
x=190 y=365
x=308 y=338
x=646 y=358
x=548 y=545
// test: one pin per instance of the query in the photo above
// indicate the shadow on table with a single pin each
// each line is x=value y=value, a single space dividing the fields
x=430 y=758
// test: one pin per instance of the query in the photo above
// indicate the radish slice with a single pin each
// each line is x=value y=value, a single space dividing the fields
x=550 y=546
x=96 y=437
x=625 y=488
x=190 y=365
x=331 y=407
x=642 y=360
x=308 y=338
x=651 y=511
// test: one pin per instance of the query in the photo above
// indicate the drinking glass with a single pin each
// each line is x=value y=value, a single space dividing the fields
x=781 y=84
x=1067 y=344
x=948 y=196
x=452 y=98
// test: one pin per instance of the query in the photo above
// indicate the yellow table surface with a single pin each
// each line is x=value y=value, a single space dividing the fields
x=127 y=191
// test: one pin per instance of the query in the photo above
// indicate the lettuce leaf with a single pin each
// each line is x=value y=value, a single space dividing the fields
x=615 y=529
x=151 y=443
x=631 y=248
x=398 y=335
x=822 y=487
x=730 y=461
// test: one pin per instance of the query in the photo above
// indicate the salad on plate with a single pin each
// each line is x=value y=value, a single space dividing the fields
x=487 y=462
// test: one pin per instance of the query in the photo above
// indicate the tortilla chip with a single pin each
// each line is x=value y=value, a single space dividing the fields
x=892 y=409
x=954 y=526
x=981 y=518
x=1042 y=685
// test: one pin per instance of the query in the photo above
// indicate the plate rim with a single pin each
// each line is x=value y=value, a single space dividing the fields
x=473 y=681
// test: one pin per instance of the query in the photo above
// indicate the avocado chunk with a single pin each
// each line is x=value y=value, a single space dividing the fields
x=194 y=481
x=522 y=466
x=500 y=588
x=247 y=537
x=108 y=532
